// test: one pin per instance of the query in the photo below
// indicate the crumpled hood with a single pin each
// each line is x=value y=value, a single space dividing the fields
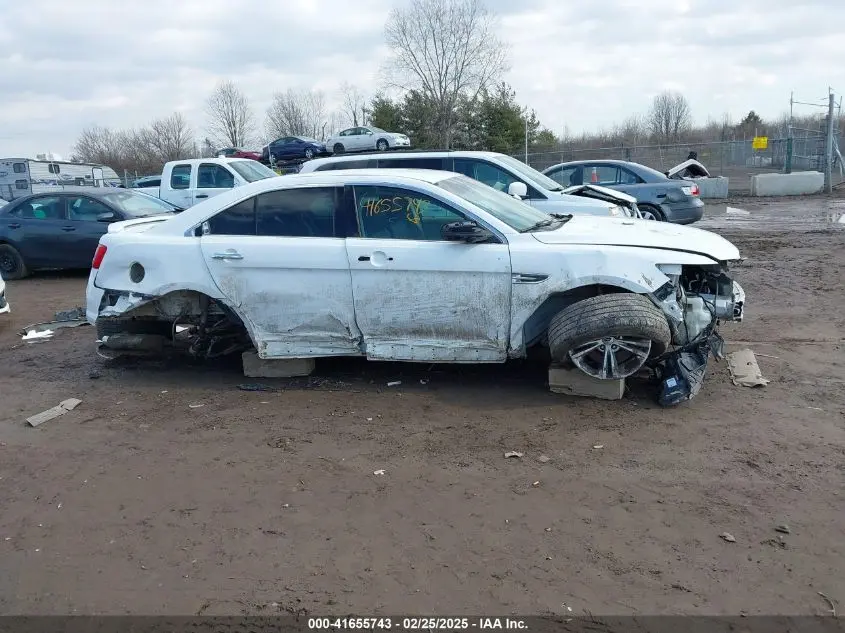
x=585 y=229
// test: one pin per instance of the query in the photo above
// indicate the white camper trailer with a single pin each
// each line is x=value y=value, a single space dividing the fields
x=23 y=176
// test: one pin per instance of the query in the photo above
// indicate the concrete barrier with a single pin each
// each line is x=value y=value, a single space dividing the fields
x=798 y=183
x=712 y=187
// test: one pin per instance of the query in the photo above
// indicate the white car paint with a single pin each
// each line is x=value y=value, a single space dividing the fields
x=544 y=193
x=389 y=299
x=185 y=183
x=365 y=137
x=4 y=303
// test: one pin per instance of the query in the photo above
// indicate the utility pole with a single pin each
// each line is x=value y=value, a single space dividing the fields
x=828 y=151
x=526 y=140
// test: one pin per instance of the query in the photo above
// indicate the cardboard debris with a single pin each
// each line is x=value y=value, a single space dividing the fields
x=744 y=369
x=49 y=414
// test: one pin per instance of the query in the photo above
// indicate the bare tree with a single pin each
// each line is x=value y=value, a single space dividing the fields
x=633 y=131
x=231 y=122
x=669 y=117
x=444 y=49
x=297 y=113
x=354 y=106
x=170 y=138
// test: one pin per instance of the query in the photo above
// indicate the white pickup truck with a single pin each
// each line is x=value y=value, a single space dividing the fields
x=185 y=183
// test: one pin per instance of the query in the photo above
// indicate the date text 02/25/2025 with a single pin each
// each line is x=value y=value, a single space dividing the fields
x=417 y=623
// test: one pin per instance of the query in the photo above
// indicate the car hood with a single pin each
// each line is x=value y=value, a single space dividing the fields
x=602 y=231
x=603 y=193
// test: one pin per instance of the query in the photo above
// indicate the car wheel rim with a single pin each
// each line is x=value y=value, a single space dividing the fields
x=648 y=215
x=611 y=357
x=309 y=153
x=8 y=265
x=382 y=145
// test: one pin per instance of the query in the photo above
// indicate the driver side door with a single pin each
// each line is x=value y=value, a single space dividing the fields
x=421 y=298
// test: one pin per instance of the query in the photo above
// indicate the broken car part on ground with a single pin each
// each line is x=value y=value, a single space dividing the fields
x=419 y=266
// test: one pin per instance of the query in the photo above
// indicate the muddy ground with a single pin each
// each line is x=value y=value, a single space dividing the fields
x=264 y=502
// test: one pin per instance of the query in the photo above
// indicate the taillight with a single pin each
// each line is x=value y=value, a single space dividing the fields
x=98 y=256
x=695 y=190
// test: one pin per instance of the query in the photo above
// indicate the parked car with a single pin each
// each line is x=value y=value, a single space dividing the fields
x=411 y=265
x=4 y=304
x=503 y=173
x=658 y=196
x=357 y=139
x=183 y=183
x=234 y=152
x=291 y=148
x=62 y=229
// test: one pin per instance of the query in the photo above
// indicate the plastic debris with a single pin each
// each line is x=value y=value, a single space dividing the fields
x=735 y=211
x=378 y=472
x=598 y=446
x=394 y=383
x=727 y=536
x=783 y=529
x=35 y=335
x=195 y=406
x=510 y=454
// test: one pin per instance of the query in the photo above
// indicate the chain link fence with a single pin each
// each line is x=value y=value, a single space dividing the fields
x=737 y=160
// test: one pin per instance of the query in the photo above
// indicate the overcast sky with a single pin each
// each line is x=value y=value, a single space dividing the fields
x=584 y=65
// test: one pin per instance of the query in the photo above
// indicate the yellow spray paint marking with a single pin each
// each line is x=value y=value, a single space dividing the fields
x=398 y=204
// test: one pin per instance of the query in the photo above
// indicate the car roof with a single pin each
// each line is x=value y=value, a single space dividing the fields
x=431 y=176
x=437 y=153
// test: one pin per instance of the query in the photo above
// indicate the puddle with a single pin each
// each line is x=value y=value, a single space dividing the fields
x=802 y=214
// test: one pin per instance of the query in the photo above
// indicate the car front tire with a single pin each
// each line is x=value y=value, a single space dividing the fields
x=650 y=212
x=609 y=336
x=338 y=148
x=382 y=145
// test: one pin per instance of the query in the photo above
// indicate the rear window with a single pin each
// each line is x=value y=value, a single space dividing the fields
x=137 y=204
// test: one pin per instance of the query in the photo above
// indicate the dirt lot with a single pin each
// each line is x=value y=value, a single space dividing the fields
x=264 y=502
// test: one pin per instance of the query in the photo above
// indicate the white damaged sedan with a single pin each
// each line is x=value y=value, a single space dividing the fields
x=415 y=265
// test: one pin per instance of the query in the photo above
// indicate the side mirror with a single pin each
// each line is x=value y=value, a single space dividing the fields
x=108 y=216
x=518 y=190
x=466 y=231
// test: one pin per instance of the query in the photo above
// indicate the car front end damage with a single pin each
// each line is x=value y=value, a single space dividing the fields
x=695 y=300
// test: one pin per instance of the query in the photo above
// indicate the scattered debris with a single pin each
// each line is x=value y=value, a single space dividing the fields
x=394 y=383
x=254 y=386
x=548 y=558
x=536 y=484
x=766 y=355
x=369 y=419
x=543 y=459
x=832 y=609
x=744 y=369
x=63 y=407
x=735 y=211
x=775 y=542
x=35 y=335
x=76 y=314
x=548 y=529
x=680 y=587
x=423 y=381
x=285 y=505
x=783 y=529
x=378 y=472
x=598 y=446
x=727 y=536
x=195 y=406
x=510 y=454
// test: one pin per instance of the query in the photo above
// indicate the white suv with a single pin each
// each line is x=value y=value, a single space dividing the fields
x=408 y=265
x=502 y=172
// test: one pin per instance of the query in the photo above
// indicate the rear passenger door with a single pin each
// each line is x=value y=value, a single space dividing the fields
x=86 y=229
x=280 y=260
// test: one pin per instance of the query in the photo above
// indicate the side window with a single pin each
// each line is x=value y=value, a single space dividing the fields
x=236 y=220
x=601 y=174
x=180 y=177
x=391 y=213
x=566 y=177
x=19 y=168
x=53 y=168
x=411 y=163
x=627 y=177
x=43 y=208
x=85 y=209
x=484 y=172
x=307 y=212
x=363 y=163
x=21 y=184
x=214 y=176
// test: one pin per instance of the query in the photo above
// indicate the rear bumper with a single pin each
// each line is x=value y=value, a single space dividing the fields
x=685 y=212
x=93 y=299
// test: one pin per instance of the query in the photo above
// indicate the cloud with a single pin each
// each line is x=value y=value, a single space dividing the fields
x=580 y=65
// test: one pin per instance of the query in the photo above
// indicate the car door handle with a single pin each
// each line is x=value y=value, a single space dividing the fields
x=68 y=228
x=227 y=255
x=364 y=258
x=661 y=195
x=202 y=195
x=14 y=225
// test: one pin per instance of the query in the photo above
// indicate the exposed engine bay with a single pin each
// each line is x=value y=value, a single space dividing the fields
x=695 y=300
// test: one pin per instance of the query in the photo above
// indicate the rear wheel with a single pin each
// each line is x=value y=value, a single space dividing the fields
x=309 y=153
x=650 y=212
x=338 y=148
x=609 y=336
x=12 y=265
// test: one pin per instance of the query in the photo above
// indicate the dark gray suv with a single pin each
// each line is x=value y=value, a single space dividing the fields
x=658 y=196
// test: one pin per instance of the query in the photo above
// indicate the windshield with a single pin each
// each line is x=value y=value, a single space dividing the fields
x=515 y=213
x=137 y=204
x=251 y=170
x=529 y=172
